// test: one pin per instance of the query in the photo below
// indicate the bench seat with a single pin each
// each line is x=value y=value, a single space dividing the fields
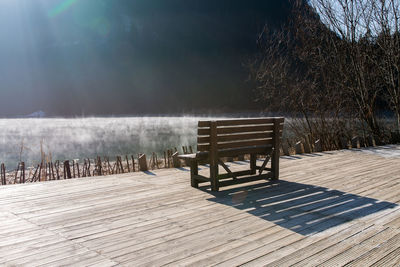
x=230 y=152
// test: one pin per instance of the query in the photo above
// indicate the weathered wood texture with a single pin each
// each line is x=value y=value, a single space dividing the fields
x=327 y=209
x=238 y=133
x=142 y=162
x=237 y=138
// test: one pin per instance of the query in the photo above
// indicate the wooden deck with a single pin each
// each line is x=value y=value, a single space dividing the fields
x=332 y=208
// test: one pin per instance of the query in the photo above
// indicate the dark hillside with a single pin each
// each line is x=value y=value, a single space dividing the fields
x=125 y=57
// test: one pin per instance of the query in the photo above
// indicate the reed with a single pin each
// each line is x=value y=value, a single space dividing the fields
x=47 y=169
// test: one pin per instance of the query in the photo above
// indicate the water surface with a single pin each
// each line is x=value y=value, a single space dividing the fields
x=78 y=138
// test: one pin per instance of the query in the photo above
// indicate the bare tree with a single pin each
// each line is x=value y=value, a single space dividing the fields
x=332 y=60
x=352 y=21
x=386 y=23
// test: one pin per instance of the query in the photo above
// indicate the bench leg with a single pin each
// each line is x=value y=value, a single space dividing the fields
x=253 y=163
x=275 y=164
x=276 y=152
x=194 y=170
x=214 y=177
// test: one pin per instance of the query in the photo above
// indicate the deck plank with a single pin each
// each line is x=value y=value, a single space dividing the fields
x=332 y=208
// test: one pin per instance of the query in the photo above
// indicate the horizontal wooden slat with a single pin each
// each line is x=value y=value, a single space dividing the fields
x=260 y=142
x=239 y=173
x=203 y=140
x=245 y=143
x=245 y=180
x=187 y=156
x=205 y=147
x=265 y=169
x=244 y=129
x=203 y=132
x=204 y=123
x=202 y=155
x=236 y=122
x=244 y=137
x=235 y=137
x=201 y=178
x=233 y=152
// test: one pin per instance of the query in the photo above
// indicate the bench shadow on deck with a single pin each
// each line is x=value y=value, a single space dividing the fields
x=302 y=208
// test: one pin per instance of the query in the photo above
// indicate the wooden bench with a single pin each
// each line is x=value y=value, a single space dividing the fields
x=232 y=138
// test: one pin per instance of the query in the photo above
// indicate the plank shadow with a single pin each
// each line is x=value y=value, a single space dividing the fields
x=150 y=173
x=302 y=208
x=291 y=157
x=312 y=155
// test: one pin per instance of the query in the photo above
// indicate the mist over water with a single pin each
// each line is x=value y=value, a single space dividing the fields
x=80 y=138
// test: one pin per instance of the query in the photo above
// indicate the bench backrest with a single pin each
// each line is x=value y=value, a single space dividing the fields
x=239 y=133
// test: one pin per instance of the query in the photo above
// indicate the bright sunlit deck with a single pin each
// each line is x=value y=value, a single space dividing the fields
x=328 y=208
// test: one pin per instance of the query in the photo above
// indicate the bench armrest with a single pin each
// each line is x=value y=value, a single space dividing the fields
x=187 y=156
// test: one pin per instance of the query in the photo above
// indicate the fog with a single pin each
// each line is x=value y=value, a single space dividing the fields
x=80 y=138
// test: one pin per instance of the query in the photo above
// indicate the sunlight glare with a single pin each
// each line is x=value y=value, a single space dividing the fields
x=60 y=8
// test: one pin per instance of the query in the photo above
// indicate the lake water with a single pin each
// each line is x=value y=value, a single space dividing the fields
x=80 y=138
